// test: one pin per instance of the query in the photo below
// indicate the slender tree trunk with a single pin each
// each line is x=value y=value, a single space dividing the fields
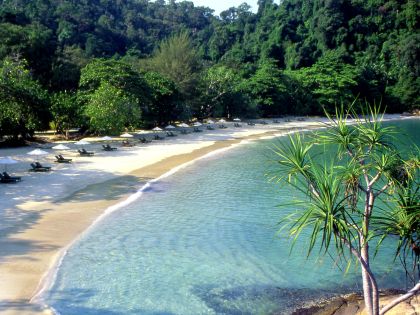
x=367 y=285
x=374 y=285
x=370 y=287
x=415 y=290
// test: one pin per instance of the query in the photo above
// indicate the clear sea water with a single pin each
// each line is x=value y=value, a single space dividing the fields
x=203 y=241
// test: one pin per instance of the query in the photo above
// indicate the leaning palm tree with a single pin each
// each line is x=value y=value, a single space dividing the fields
x=343 y=191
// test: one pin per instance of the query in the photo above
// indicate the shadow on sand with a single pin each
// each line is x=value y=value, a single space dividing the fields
x=15 y=220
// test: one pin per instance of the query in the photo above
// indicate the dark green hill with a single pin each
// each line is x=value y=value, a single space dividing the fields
x=295 y=57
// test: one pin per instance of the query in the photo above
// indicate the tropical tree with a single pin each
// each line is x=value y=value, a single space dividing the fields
x=65 y=111
x=115 y=73
x=164 y=100
x=328 y=80
x=111 y=110
x=344 y=189
x=220 y=83
x=177 y=59
x=268 y=89
x=130 y=88
x=23 y=102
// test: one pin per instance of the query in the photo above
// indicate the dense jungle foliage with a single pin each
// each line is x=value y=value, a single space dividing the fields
x=109 y=65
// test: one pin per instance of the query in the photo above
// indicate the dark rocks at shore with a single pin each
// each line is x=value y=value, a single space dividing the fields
x=349 y=304
x=265 y=299
x=268 y=299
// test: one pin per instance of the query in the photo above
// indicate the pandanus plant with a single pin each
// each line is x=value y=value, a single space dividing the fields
x=343 y=190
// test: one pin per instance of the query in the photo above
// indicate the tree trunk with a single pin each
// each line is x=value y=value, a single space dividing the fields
x=415 y=290
x=367 y=285
x=370 y=288
x=374 y=285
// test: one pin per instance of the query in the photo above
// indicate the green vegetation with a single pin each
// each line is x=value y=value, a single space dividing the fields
x=343 y=215
x=65 y=112
x=296 y=57
x=23 y=102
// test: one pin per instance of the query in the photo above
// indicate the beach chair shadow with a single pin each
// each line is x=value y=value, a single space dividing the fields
x=38 y=167
x=83 y=152
x=61 y=159
x=107 y=147
x=5 y=178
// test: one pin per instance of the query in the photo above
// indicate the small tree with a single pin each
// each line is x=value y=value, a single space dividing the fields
x=266 y=86
x=177 y=59
x=164 y=100
x=220 y=83
x=65 y=111
x=343 y=192
x=112 y=94
x=23 y=102
x=111 y=110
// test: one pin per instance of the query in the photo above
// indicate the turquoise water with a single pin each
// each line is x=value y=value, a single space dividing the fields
x=203 y=241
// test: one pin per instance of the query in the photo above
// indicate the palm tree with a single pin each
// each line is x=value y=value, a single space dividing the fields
x=343 y=192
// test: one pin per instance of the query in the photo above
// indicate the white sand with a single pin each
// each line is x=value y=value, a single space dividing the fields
x=68 y=178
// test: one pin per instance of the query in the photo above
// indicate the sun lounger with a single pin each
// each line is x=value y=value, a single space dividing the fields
x=83 y=152
x=210 y=128
x=184 y=131
x=170 y=134
x=107 y=147
x=5 y=178
x=197 y=130
x=38 y=167
x=237 y=125
x=250 y=123
x=61 y=159
x=222 y=126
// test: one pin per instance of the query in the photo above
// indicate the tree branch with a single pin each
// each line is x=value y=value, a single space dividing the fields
x=385 y=187
x=362 y=188
x=374 y=179
x=415 y=290
x=349 y=151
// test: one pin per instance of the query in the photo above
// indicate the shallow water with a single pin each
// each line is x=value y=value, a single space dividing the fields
x=203 y=241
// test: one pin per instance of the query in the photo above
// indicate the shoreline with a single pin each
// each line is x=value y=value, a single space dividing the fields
x=50 y=275
x=353 y=304
x=37 y=265
x=25 y=275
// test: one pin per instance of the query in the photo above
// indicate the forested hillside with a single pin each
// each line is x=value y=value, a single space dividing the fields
x=61 y=61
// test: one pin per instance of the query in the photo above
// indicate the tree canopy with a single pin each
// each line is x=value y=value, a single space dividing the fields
x=292 y=57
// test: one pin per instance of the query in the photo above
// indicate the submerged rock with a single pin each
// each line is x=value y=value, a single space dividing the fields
x=260 y=299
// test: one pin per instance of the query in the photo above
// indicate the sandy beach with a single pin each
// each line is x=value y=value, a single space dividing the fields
x=44 y=213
